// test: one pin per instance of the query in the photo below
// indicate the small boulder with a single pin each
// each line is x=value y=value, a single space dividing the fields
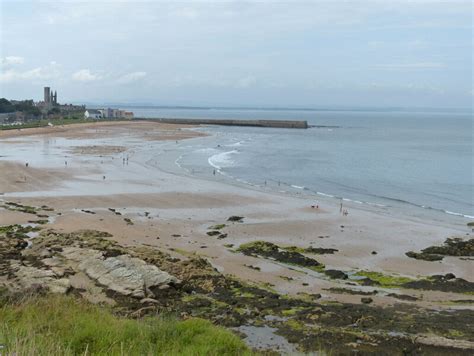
x=335 y=274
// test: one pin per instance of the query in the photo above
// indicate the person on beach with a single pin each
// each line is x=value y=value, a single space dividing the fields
x=26 y=164
x=214 y=172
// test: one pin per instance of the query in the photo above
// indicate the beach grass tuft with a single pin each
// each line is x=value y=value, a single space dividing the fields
x=67 y=325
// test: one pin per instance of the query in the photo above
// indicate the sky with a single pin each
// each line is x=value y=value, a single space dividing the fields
x=354 y=53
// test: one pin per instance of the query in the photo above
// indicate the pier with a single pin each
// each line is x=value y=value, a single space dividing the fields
x=284 y=124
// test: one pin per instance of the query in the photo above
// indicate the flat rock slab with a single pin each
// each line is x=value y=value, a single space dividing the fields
x=30 y=277
x=123 y=274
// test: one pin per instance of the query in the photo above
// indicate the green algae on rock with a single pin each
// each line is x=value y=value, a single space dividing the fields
x=454 y=246
x=270 y=250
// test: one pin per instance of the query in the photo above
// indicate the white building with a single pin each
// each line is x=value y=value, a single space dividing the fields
x=93 y=114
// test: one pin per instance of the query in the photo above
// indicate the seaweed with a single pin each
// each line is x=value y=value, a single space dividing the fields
x=454 y=246
x=270 y=250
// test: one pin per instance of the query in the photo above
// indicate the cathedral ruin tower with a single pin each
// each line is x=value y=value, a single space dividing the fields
x=47 y=95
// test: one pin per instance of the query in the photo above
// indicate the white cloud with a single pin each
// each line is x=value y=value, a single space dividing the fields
x=46 y=72
x=131 y=77
x=12 y=60
x=85 y=75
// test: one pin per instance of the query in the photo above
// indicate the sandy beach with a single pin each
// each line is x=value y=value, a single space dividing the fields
x=99 y=177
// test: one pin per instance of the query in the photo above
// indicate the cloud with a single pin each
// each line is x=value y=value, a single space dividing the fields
x=12 y=60
x=85 y=75
x=414 y=65
x=46 y=72
x=131 y=77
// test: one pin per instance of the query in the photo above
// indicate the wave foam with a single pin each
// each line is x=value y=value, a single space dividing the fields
x=222 y=160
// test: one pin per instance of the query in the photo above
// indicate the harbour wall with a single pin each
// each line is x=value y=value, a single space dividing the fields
x=286 y=124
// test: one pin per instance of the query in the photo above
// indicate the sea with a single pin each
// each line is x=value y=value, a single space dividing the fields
x=415 y=162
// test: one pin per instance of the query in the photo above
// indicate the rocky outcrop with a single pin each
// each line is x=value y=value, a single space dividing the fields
x=123 y=274
x=31 y=278
x=50 y=262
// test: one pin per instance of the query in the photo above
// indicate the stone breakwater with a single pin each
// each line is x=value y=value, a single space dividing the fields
x=284 y=124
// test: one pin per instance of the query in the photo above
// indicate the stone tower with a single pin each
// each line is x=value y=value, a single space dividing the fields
x=55 y=97
x=47 y=95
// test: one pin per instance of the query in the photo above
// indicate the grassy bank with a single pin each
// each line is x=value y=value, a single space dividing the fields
x=67 y=325
x=55 y=122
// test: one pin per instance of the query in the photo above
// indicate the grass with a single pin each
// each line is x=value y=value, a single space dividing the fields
x=65 y=325
x=55 y=122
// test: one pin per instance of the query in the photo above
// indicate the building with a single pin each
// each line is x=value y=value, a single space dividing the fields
x=49 y=98
x=116 y=113
x=93 y=114
x=128 y=115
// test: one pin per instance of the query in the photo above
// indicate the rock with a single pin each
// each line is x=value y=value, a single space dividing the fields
x=424 y=256
x=123 y=274
x=351 y=291
x=446 y=283
x=148 y=301
x=29 y=277
x=320 y=250
x=235 y=218
x=454 y=246
x=403 y=297
x=366 y=300
x=272 y=251
x=335 y=274
x=46 y=253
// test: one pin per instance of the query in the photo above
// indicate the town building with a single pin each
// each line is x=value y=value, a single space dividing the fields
x=93 y=114
x=50 y=106
x=108 y=113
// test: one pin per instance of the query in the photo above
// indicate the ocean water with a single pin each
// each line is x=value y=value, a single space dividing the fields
x=409 y=161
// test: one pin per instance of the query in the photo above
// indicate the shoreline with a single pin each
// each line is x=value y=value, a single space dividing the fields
x=124 y=181
x=443 y=219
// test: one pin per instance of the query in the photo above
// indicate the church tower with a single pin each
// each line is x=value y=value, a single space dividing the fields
x=47 y=95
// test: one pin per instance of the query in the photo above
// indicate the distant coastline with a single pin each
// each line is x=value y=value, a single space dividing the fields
x=276 y=108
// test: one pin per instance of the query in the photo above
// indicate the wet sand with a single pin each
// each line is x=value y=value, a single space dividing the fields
x=109 y=167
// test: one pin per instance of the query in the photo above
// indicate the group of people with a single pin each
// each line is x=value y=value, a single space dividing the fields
x=344 y=212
